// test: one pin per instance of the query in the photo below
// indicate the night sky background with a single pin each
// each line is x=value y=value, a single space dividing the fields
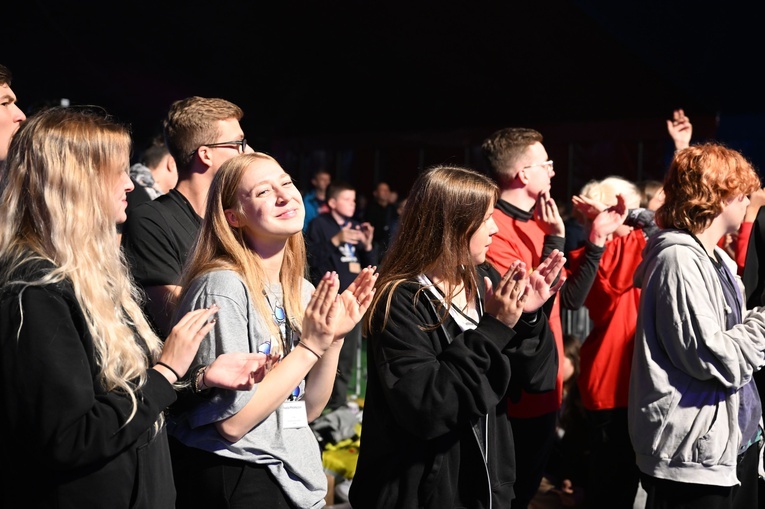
x=379 y=90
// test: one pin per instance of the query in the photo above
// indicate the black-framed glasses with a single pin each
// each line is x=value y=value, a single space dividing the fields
x=240 y=144
x=547 y=165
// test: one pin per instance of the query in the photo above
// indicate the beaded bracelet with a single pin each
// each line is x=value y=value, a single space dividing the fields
x=301 y=343
x=199 y=380
x=177 y=376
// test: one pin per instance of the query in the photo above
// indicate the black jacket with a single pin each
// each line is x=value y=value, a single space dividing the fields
x=324 y=256
x=427 y=393
x=61 y=430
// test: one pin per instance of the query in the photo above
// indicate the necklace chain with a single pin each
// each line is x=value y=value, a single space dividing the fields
x=279 y=314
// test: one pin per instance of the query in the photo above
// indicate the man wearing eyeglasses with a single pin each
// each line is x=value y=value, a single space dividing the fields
x=10 y=114
x=201 y=134
x=530 y=227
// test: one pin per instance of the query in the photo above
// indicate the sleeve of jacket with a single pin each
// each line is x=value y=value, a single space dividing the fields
x=68 y=420
x=580 y=278
x=320 y=248
x=688 y=324
x=431 y=385
x=754 y=266
x=532 y=352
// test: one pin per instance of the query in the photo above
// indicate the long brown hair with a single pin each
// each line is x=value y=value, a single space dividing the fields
x=445 y=207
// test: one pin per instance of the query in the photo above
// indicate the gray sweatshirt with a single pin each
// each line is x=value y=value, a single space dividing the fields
x=688 y=367
x=291 y=454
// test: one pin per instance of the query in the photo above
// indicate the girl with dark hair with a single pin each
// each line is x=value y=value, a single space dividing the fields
x=449 y=340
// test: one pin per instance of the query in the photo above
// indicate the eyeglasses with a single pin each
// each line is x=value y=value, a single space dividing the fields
x=240 y=144
x=548 y=165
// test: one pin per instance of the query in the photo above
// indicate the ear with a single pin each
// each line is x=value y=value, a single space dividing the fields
x=332 y=203
x=232 y=217
x=205 y=155
x=522 y=176
x=170 y=164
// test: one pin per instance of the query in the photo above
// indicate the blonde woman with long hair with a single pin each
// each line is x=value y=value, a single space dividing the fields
x=255 y=449
x=84 y=380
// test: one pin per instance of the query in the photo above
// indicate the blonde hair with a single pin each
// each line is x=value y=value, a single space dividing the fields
x=56 y=205
x=605 y=191
x=220 y=246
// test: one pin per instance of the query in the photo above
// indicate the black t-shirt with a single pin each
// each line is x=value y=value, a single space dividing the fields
x=158 y=237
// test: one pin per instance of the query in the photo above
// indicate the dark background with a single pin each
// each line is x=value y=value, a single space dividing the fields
x=380 y=90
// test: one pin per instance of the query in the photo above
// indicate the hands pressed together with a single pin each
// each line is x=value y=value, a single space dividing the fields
x=522 y=292
x=362 y=234
x=330 y=316
x=547 y=215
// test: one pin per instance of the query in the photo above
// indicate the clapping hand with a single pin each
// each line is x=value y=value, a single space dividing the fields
x=541 y=281
x=237 y=370
x=547 y=215
x=182 y=344
x=323 y=314
x=506 y=301
x=356 y=300
x=607 y=221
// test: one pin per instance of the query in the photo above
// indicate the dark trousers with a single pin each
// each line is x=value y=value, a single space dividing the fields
x=612 y=472
x=664 y=494
x=206 y=480
x=345 y=365
x=534 y=441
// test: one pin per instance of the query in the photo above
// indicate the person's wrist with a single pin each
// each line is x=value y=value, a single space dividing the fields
x=199 y=379
x=598 y=239
x=166 y=369
x=316 y=352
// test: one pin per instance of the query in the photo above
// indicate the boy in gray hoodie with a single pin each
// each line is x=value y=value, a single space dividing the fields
x=695 y=416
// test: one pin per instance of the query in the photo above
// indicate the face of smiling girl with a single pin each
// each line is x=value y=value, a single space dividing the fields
x=272 y=207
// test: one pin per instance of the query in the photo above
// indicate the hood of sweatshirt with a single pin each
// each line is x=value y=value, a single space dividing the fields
x=666 y=239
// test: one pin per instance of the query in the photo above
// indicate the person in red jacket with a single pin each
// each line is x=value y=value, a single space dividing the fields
x=606 y=354
x=530 y=228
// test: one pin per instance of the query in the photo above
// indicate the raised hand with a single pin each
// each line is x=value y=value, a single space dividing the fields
x=756 y=200
x=237 y=370
x=607 y=221
x=323 y=314
x=680 y=129
x=541 y=281
x=587 y=206
x=505 y=303
x=356 y=300
x=183 y=342
x=547 y=215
